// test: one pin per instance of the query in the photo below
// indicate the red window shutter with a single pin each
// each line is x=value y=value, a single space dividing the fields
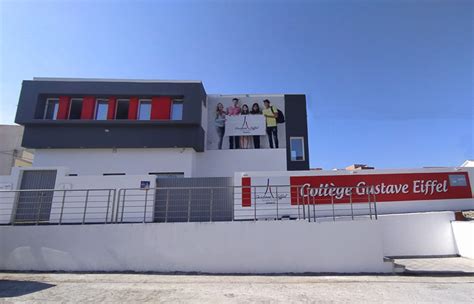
x=88 y=104
x=246 y=192
x=161 y=107
x=63 y=109
x=133 y=108
x=111 y=107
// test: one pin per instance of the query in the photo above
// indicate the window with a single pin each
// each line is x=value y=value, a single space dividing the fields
x=101 y=109
x=177 y=109
x=144 y=110
x=122 y=109
x=51 y=110
x=297 y=148
x=75 y=108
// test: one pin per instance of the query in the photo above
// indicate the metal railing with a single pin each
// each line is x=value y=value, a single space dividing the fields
x=186 y=204
x=210 y=204
x=46 y=206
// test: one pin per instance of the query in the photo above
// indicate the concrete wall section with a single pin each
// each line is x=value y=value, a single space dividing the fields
x=128 y=161
x=224 y=163
x=212 y=163
x=418 y=234
x=101 y=206
x=245 y=247
x=464 y=236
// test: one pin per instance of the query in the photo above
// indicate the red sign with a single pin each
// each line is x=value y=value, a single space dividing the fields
x=380 y=187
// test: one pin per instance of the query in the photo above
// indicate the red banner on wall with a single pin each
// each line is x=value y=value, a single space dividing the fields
x=381 y=187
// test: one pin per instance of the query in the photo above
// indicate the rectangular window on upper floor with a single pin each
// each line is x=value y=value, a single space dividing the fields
x=297 y=148
x=75 y=108
x=101 y=109
x=51 y=109
x=144 y=109
x=177 y=109
x=121 y=112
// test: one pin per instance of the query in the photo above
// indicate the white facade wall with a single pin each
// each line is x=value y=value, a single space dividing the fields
x=96 y=211
x=211 y=163
x=233 y=247
x=128 y=161
x=99 y=206
x=224 y=163
x=464 y=236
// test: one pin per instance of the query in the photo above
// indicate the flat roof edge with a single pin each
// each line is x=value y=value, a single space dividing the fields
x=113 y=80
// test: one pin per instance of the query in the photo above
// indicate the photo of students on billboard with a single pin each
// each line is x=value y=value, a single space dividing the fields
x=246 y=122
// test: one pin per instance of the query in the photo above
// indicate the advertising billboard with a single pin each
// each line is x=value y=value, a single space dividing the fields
x=246 y=122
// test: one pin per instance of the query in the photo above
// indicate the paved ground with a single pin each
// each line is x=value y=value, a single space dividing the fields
x=132 y=288
x=445 y=266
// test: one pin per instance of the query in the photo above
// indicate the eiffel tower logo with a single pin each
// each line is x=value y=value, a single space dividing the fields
x=245 y=124
x=268 y=189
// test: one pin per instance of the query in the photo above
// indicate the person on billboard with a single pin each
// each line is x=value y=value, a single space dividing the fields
x=234 y=141
x=220 y=123
x=256 y=138
x=271 y=113
x=245 y=140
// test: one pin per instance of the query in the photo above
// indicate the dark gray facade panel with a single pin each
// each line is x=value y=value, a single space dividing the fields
x=34 y=206
x=296 y=126
x=203 y=199
x=34 y=93
x=40 y=133
x=123 y=136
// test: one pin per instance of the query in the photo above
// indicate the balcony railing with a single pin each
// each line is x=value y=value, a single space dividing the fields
x=185 y=204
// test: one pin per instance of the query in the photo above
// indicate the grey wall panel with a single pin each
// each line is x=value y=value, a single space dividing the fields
x=113 y=136
x=35 y=206
x=296 y=126
x=200 y=199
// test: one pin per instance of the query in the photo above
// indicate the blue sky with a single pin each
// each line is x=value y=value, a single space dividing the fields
x=388 y=83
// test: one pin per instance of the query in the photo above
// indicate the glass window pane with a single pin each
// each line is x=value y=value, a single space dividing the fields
x=144 y=112
x=122 y=109
x=51 y=111
x=101 y=109
x=297 y=149
x=177 y=110
x=75 y=108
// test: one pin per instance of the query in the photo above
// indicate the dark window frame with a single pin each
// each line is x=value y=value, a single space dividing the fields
x=55 y=111
x=303 y=156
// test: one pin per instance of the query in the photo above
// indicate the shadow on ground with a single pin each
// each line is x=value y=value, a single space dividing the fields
x=11 y=288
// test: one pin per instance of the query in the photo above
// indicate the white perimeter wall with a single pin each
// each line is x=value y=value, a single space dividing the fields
x=211 y=163
x=464 y=236
x=233 y=247
x=418 y=234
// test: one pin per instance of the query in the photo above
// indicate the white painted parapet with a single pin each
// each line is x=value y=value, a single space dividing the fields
x=227 y=247
x=418 y=234
x=464 y=236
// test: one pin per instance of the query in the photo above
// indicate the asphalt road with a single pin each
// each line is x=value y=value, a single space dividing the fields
x=132 y=288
